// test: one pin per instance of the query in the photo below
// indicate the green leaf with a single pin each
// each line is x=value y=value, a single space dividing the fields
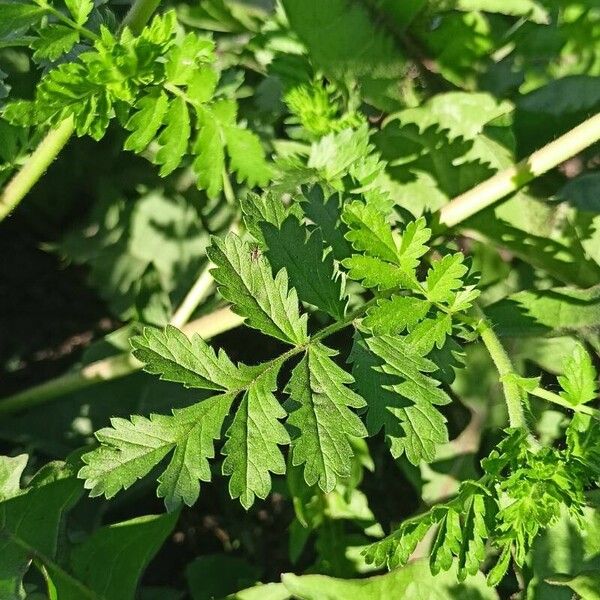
x=209 y=163
x=245 y=280
x=252 y=448
x=247 y=156
x=326 y=214
x=310 y=269
x=321 y=419
x=396 y=314
x=375 y=273
x=585 y=584
x=370 y=232
x=130 y=449
x=53 y=42
x=579 y=382
x=185 y=58
x=112 y=559
x=343 y=41
x=551 y=312
x=14 y=16
x=401 y=398
x=413 y=582
x=445 y=277
x=30 y=519
x=80 y=9
x=517 y=8
x=11 y=471
x=191 y=362
x=146 y=121
x=174 y=138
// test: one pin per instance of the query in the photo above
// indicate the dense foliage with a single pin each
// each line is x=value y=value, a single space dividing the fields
x=399 y=400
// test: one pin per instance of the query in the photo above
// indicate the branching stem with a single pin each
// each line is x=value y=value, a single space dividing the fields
x=556 y=399
x=511 y=179
x=512 y=392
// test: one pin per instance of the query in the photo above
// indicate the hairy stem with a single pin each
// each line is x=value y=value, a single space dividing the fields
x=56 y=139
x=110 y=368
x=511 y=179
x=35 y=167
x=556 y=399
x=512 y=392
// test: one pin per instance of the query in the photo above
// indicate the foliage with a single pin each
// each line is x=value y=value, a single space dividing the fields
x=401 y=395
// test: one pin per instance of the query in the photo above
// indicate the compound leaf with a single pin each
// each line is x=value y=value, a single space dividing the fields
x=245 y=279
x=579 y=382
x=321 y=417
x=252 y=451
x=310 y=270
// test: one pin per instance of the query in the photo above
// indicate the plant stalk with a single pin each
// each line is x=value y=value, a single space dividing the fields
x=512 y=392
x=35 y=167
x=112 y=367
x=511 y=179
x=556 y=399
x=57 y=138
x=198 y=292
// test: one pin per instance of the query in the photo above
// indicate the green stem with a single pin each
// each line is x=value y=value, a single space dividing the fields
x=35 y=167
x=56 y=139
x=197 y=293
x=72 y=24
x=556 y=399
x=511 y=179
x=512 y=393
x=139 y=14
x=110 y=368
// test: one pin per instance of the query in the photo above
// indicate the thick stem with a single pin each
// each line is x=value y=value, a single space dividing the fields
x=110 y=368
x=511 y=179
x=512 y=393
x=35 y=167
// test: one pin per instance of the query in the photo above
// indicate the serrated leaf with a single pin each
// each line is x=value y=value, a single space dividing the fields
x=209 y=163
x=413 y=244
x=369 y=231
x=396 y=314
x=185 y=58
x=321 y=417
x=130 y=449
x=80 y=9
x=375 y=273
x=430 y=333
x=311 y=271
x=247 y=156
x=174 y=138
x=325 y=213
x=445 y=277
x=14 y=16
x=447 y=542
x=245 y=279
x=580 y=380
x=401 y=398
x=191 y=362
x=146 y=121
x=53 y=42
x=252 y=452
